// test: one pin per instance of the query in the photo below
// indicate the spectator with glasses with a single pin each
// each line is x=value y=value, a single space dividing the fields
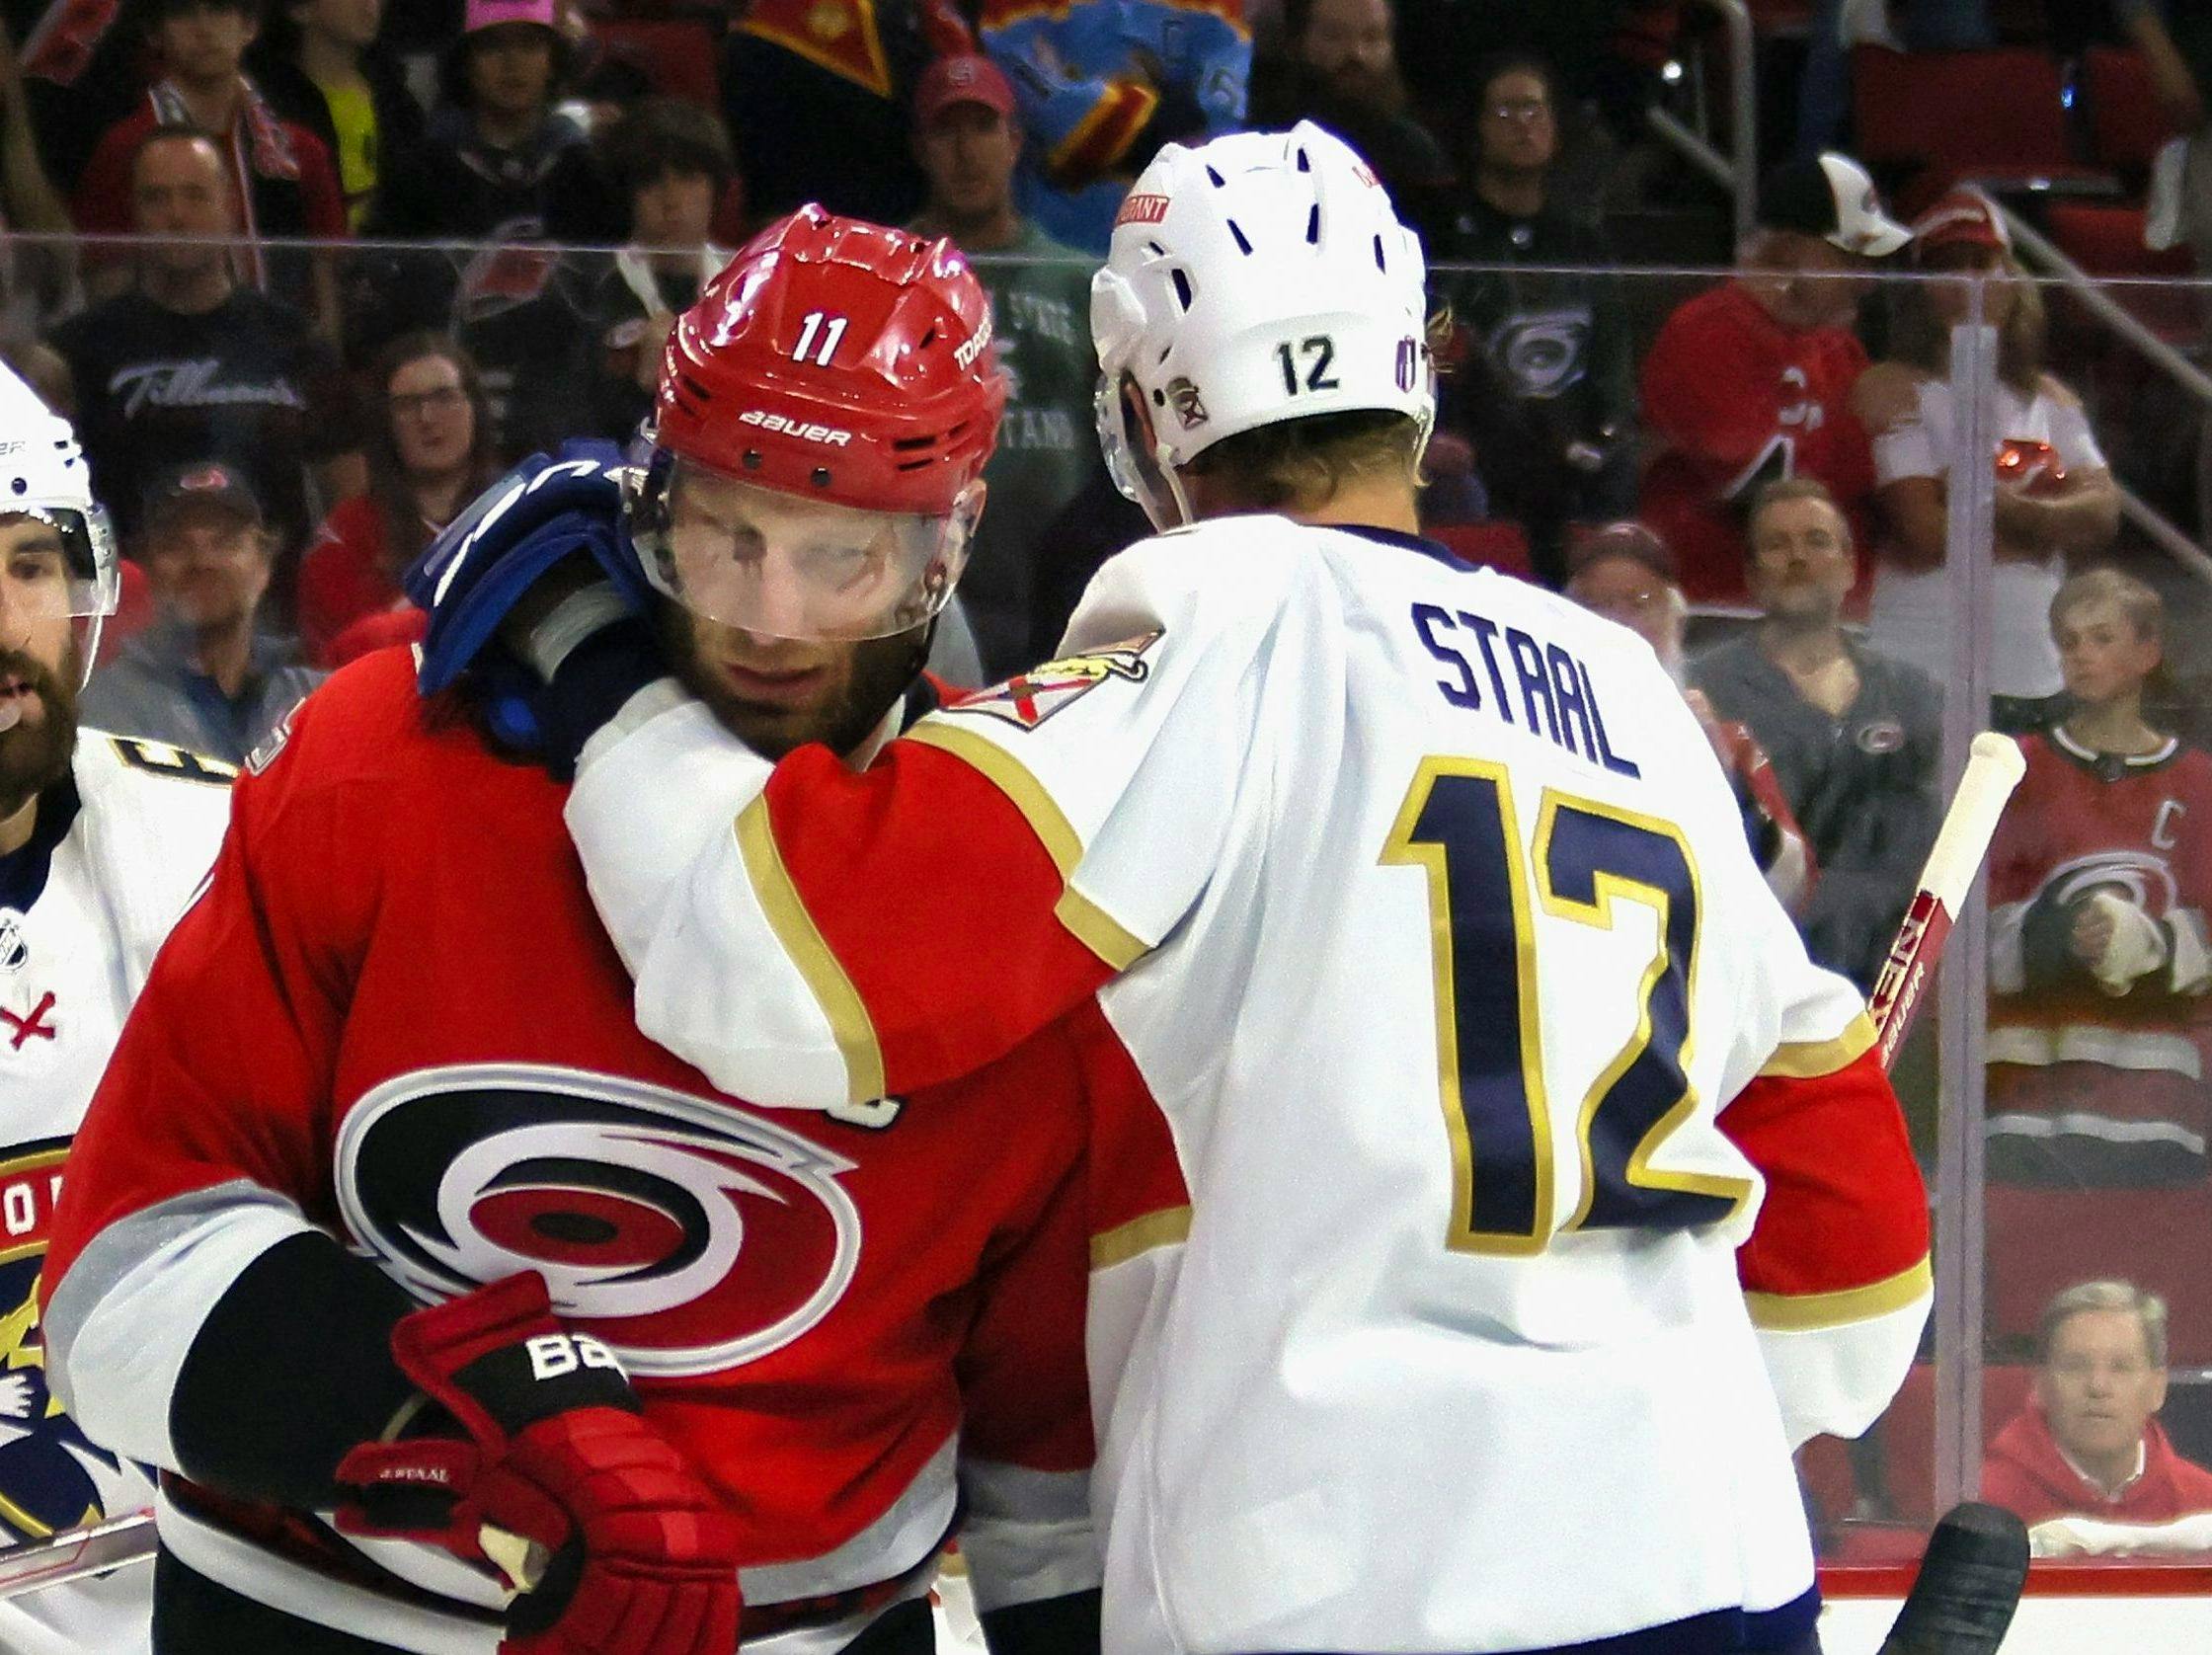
x=431 y=452
x=1546 y=388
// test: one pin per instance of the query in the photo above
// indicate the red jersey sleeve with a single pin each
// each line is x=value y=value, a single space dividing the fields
x=196 y=1161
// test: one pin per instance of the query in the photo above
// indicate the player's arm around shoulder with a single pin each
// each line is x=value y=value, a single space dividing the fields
x=1067 y=819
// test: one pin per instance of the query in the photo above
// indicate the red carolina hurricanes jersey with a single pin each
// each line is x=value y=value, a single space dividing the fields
x=1734 y=401
x=396 y=1011
x=2084 y=821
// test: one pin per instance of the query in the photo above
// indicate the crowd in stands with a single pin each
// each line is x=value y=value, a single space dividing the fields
x=308 y=273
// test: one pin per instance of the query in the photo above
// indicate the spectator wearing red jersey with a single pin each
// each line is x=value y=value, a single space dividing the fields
x=430 y=453
x=2100 y=957
x=2089 y=1445
x=2056 y=497
x=281 y=173
x=1751 y=383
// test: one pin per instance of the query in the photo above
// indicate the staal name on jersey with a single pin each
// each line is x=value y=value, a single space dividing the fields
x=1549 y=686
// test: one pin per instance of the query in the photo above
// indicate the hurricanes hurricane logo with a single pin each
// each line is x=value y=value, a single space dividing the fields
x=1543 y=353
x=2145 y=881
x=684 y=1233
x=1029 y=698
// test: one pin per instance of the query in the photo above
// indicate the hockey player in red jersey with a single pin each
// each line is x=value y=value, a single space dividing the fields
x=1391 y=876
x=388 y=1062
x=2100 y=1028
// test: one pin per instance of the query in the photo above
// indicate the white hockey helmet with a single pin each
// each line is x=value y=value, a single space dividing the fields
x=1260 y=278
x=44 y=475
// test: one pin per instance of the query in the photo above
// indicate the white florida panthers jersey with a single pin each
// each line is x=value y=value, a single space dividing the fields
x=77 y=935
x=1541 y=1193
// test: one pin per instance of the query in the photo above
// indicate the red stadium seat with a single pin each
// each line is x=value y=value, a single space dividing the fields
x=2126 y=128
x=678 y=56
x=2107 y=239
x=1909 y=1430
x=1907 y=1434
x=1995 y=116
x=2043 y=1241
x=1502 y=546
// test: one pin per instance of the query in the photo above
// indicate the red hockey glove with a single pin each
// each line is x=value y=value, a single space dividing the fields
x=643 y=1556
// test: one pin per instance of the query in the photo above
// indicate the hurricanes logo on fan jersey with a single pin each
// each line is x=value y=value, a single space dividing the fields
x=2145 y=881
x=688 y=1235
x=1029 y=698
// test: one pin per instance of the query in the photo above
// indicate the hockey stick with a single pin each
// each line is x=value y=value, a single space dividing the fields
x=74 y=1553
x=1968 y=1587
x=1992 y=770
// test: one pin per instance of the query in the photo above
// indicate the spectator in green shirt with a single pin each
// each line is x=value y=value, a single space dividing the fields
x=968 y=141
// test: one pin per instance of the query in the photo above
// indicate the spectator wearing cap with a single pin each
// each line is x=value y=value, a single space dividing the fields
x=1341 y=68
x=190 y=362
x=205 y=676
x=322 y=65
x=499 y=161
x=1625 y=573
x=2055 y=502
x=1853 y=736
x=1751 y=381
x=670 y=162
x=968 y=142
x=1544 y=388
x=281 y=175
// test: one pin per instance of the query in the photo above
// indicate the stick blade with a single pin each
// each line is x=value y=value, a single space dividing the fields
x=1968 y=1587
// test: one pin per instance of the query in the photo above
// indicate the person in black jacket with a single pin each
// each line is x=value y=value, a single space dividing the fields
x=321 y=63
x=1546 y=387
x=498 y=162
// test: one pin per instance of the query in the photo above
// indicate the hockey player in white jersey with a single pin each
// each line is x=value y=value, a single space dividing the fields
x=102 y=843
x=1543 y=1195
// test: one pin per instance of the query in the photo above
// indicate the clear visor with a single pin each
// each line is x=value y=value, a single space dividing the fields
x=55 y=562
x=786 y=566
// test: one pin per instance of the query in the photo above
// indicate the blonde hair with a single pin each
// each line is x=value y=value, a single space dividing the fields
x=1921 y=338
x=1300 y=465
x=2144 y=607
x=2147 y=1307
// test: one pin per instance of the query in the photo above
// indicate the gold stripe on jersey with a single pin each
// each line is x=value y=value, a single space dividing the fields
x=1809 y=1060
x=1084 y=920
x=1168 y=1228
x=1805 y=1312
x=850 y=1023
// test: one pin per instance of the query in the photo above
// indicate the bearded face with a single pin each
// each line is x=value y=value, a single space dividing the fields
x=41 y=661
x=37 y=723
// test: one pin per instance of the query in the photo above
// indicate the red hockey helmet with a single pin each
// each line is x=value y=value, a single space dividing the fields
x=848 y=370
